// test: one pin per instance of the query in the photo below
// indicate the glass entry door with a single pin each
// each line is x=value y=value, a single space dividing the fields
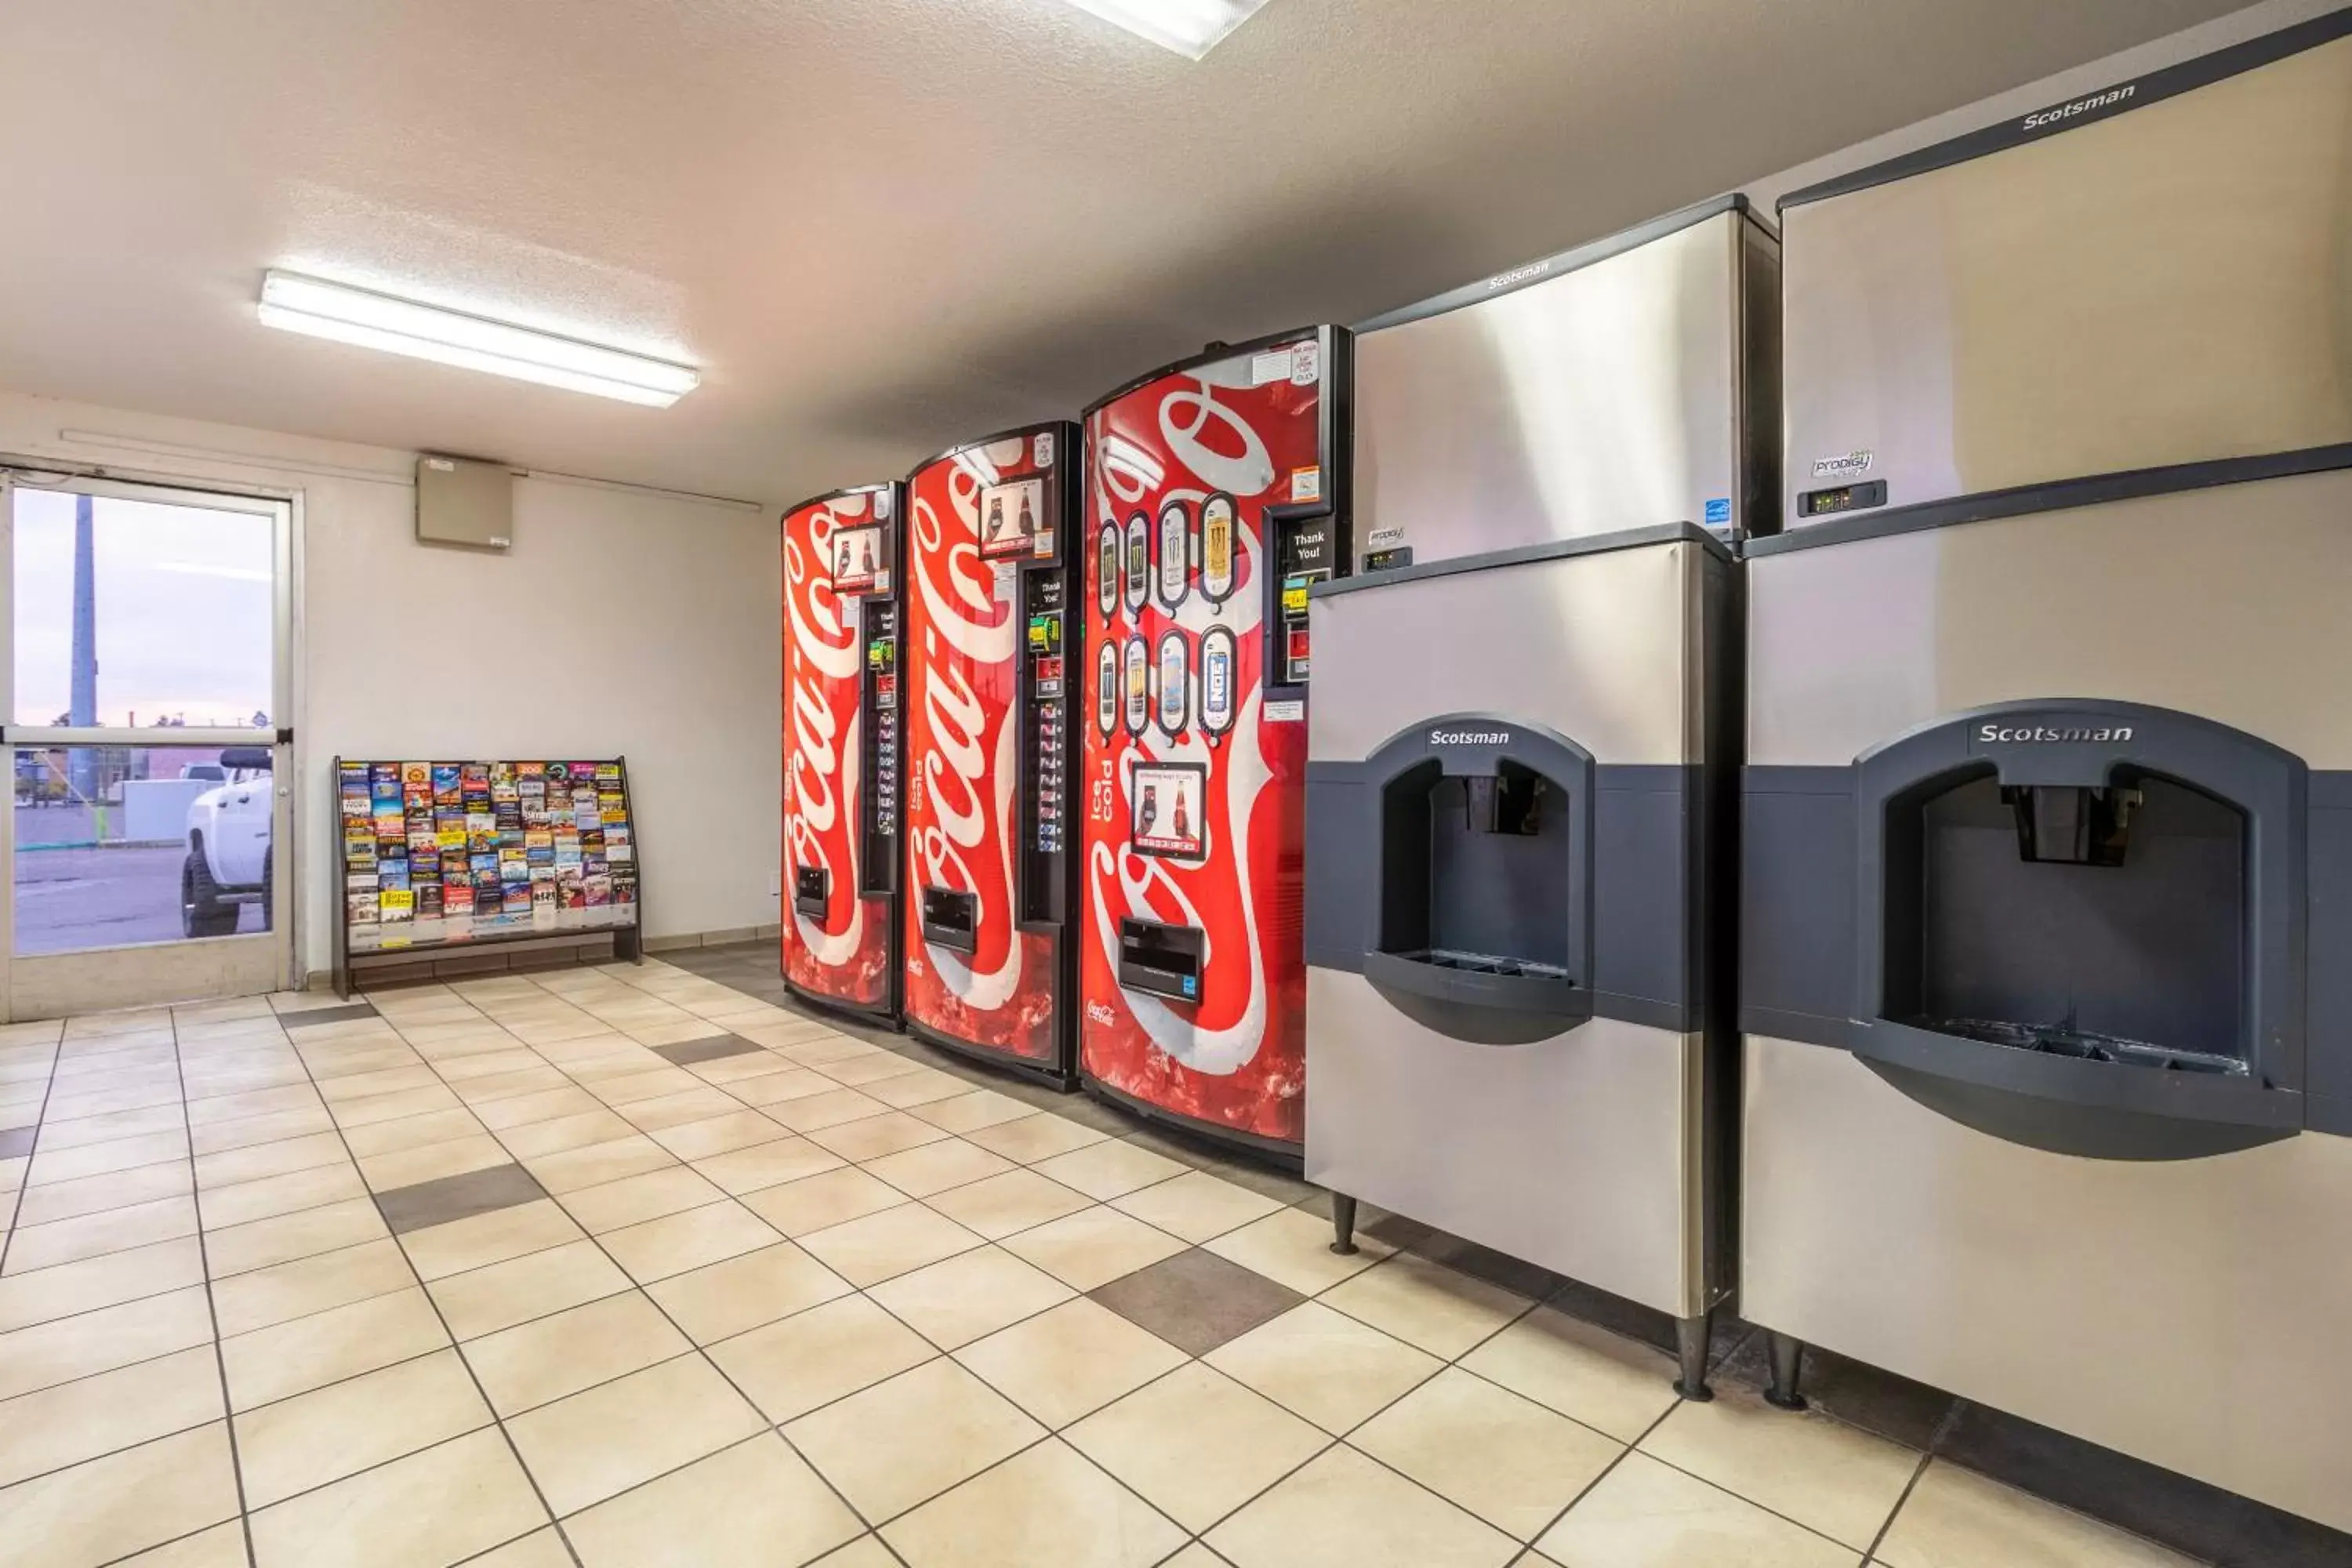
x=147 y=855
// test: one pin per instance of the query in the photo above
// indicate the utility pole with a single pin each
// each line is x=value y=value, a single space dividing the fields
x=84 y=708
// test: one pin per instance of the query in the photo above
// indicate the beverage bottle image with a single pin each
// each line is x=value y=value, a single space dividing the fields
x=1217 y=546
x=1183 y=824
x=995 y=518
x=1171 y=554
x=866 y=557
x=1027 y=520
x=1150 y=812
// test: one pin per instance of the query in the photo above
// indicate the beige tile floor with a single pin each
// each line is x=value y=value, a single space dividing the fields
x=808 y=1302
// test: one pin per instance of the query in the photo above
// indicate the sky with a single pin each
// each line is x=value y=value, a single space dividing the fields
x=184 y=609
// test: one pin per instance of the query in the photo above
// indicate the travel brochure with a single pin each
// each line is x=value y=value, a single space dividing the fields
x=442 y=853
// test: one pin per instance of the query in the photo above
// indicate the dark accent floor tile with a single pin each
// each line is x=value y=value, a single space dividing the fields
x=2201 y=1520
x=1481 y=1262
x=16 y=1143
x=447 y=1198
x=1860 y=1395
x=406 y=976
x=1196 y=1300
x=1028 y=1091
x=316 y=1015
x=1393 y=1229
x=686 y=1053
x=1286 y=1187
x=1087 y=1111
x=1655 y=1329
x=1615 y=1313
x=765 y=947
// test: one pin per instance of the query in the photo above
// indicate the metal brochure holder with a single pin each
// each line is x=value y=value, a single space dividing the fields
x=447 y=945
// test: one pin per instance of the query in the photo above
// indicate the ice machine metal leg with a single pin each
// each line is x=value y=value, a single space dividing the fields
x=1343 y=1225
x=1692 y=1338
x=1786 y=1352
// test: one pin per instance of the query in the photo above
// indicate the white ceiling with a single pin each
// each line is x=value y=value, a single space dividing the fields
x=880 y=226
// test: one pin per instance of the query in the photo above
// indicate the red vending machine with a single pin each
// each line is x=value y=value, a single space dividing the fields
x=990 y=691
x=1216 y=494
x=842 y=748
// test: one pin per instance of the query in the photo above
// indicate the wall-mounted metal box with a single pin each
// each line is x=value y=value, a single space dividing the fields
x=462 y=501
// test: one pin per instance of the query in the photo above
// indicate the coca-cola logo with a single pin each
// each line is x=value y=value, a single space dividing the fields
x=961 y=736
x=1214 y=442
x=821 y=770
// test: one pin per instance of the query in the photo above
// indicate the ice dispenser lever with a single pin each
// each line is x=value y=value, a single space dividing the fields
x=1509 y=800
x=2071 y=825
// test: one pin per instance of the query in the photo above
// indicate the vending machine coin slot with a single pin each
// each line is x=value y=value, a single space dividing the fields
x=812 y=891
x=952 y=920
x=1162 y=960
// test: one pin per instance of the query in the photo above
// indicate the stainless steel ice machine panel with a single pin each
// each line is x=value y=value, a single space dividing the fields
x=2155 y=274
x=1617 y=386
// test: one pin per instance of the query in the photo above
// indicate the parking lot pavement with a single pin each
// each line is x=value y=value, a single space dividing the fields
x=72 y=898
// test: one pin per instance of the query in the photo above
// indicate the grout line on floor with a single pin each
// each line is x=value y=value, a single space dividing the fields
x=695 y=1348
x=211 y=1311
x=17 y=1198
x=483 y=1394
x=1204 y=1162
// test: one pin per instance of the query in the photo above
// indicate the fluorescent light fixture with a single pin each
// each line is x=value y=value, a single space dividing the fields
x=1190 y=27
x=347 y=315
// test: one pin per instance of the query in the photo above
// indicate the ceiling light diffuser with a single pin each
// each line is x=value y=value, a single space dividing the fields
x=1190 y=27
x=323 y=310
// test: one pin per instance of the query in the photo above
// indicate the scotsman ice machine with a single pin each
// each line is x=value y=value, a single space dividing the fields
x=2046 y=948
x=1521 y=763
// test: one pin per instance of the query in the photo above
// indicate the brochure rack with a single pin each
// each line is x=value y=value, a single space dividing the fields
x=462 y=866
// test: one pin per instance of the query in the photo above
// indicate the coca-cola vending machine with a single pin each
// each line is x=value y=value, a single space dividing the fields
x=992 y=693
x=841 y=709
x=1216 y=494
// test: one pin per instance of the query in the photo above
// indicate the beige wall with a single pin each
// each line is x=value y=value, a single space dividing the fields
x=621 y=621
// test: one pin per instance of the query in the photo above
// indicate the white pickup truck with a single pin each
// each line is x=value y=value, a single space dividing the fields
x=229 y=855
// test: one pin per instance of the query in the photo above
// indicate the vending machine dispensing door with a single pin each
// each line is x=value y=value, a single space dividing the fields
x=991 y=713
x=1214 y=498
x=842 y=717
